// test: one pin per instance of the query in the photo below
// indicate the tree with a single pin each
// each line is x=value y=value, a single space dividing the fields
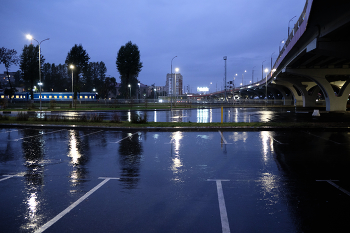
x=109 y=85
x=56 y=77
x=8 y=57
x=29 y=65
x=79 y=58
x=129 y=66
x=18 y=79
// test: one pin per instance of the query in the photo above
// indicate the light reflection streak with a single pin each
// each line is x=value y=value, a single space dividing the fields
x=202 y=115
x=236 y=115
x=270 y=189
x=211 y=116
x=32 y=217
x=73 y=149
x=129 y=116
x=175 y=140
x=155 y=116
x=265 y=116
x=267 y=143
x=238 y=136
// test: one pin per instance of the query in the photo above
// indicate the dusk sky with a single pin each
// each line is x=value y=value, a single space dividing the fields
x=199 y=33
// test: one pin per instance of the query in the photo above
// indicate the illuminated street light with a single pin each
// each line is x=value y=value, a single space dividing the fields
x=176 y=70
x=234 y=78
x=72 y=67
x=172 y=92
x=130 y=89
x=266 y=71
x=282 y=42
x=29 y=37
x=271 y=59
x=243 y=77
x=138 y=95
x=288 y=25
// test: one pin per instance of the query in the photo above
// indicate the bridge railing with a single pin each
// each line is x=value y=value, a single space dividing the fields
x=297 y=31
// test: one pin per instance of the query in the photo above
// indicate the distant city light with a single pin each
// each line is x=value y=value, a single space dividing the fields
x=202 y=89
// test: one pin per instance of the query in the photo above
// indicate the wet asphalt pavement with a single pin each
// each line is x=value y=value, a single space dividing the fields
x=59 y=180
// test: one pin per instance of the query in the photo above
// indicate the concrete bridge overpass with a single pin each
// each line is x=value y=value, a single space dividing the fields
x=314 y=62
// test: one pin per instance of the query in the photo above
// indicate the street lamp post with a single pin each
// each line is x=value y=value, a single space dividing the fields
x=172 y=92
x=176 y=70
x=243 y=77
x=262 y=70
x=72 y=68
x=288 y=25
x=253 y=74
x=271 y=59
x=225 y=58
x=31 y=38
x=139 y=92
x=282 y=42
x=266 y=71
x=234 y=78
x=130 y=89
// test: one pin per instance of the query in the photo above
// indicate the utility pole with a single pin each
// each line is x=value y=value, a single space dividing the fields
x=225 y=58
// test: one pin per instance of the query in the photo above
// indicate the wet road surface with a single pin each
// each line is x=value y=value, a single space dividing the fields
x=126 y=181
x=200 y=115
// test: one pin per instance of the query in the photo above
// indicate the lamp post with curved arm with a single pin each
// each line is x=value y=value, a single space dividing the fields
x=176 y=70
x=172 y=88
x=271 y=59
x=29 y=37
x=243 y=77
x=282 y=42
x=72 y=68
x=266 y=71
x=288 y=25
x=262 y=70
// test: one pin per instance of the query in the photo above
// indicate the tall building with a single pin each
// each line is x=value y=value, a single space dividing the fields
x=4 y=80
x=170 y=84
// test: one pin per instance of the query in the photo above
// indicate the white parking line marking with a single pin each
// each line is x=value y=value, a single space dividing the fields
x=325 y=138
x=10 y=176
x=16 y=140
x=277 y=140
x=91 y=133
x=127 y=137
x=223 y=139
x=337 y=186
x=72 y=206
x=223 y=213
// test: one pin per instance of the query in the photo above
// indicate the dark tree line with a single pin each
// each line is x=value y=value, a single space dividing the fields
x=87 y=76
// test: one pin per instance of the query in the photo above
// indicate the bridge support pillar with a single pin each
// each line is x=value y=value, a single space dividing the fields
x=333 y=102
x=287 y=99
x=298 y=99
